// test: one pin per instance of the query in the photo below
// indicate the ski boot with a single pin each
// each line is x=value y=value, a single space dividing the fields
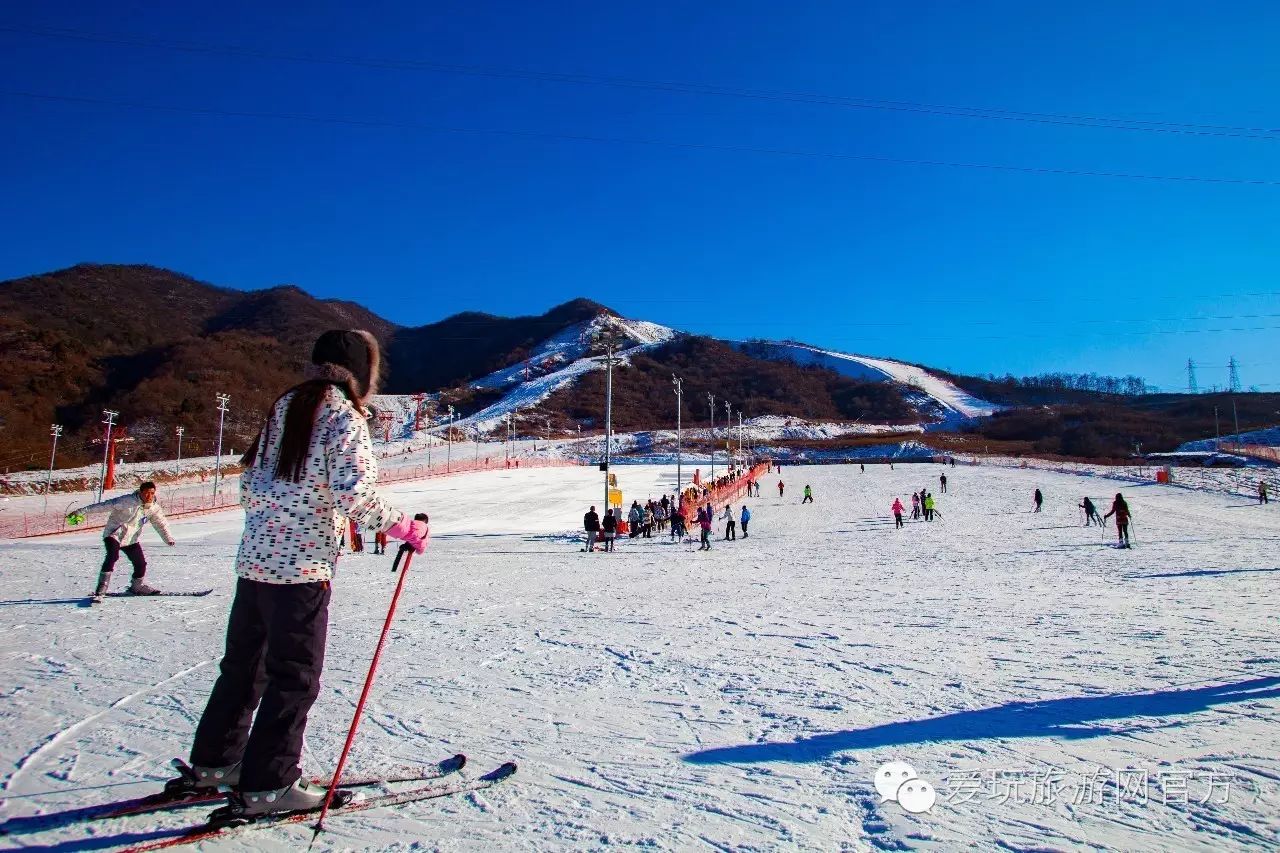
x=104 y=581
x=196 y=780
x=301 y=796
x=140 y=587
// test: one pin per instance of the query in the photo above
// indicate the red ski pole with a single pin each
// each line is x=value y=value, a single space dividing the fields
x=364 y=694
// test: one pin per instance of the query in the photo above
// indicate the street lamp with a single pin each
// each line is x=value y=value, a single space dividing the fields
x=679 y=386
x=55 y=430
x=109 y=418
x=610 y=340
x=223 y=400
x=179 y=432
x=711 y=403
x=448 y=451
x=728 y=434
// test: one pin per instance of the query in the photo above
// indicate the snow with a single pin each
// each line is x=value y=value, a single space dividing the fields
x=956 y=403
x=740 y=699
x=1269 y=437
x=557 y=362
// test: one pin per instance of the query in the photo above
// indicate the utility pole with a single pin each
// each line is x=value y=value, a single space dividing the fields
x=223 y=400
x=109 y=418
x=1235 y=416
x=55 y=430
x=740 y=434
x=427 y=427
x=448 y=450
x=1217 y=433
x=679 y=386
x=179 y=431
x=728 y=436
x=610 y=342
x=711 y=402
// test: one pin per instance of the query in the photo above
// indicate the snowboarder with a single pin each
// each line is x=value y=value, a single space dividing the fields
x=608 y=529
x=127 y=515
x=1262 y=491
x=1091 y=514
x=591 y=524
x=730 y=526
x=897 y=513
x=1039 y=499
x=808 y=495
x=1120 y=509
x=780 y=488
x=943 y=481
x=746 y=516
x=311 y=467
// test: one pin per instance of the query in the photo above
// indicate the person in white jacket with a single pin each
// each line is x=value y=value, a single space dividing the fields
x=127 y=516
x=310 y=471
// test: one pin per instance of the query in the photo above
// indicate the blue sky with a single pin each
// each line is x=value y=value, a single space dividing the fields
x=436 y=191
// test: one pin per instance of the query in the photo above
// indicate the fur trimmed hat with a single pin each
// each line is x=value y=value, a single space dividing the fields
x=350 y=356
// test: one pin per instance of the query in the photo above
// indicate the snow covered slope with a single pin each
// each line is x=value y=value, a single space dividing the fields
x=741 y=699
x=945 y=397
x=558 y=361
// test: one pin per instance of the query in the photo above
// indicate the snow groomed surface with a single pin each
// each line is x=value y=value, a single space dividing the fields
x=740 y=699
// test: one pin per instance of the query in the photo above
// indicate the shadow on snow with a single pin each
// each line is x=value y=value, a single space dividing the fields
x=1074 y=717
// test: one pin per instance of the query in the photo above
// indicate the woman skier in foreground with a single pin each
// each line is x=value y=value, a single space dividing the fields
x=310 y=470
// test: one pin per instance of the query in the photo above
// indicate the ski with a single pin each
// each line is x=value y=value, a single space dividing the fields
x=218 y=830
x=177 y=797
x=194 y=593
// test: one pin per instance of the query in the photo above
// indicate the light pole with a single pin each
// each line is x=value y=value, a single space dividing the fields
x=179 y=432
x=740 y=436
x=448 y=450
x=608 y=414
x=679 y=386
x=223 y=400
x=428 y=422
x=728 y=435
x=109 y=418
x=55 y=430
x=711 y=402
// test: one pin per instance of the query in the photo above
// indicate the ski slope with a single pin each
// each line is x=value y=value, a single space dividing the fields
x=953 y=402
x=740 y=699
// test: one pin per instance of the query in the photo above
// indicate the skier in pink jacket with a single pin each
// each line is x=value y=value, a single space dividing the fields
x=897 y=512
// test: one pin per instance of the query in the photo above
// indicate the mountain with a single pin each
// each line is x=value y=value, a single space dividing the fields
x=157 y=346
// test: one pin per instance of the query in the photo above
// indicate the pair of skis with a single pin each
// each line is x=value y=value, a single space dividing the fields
x=439 y=780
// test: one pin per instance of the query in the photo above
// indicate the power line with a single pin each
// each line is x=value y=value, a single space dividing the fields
x=780 y=95
x=656 y=143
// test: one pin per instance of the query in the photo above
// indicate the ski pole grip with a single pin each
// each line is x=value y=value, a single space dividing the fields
x=404 y=549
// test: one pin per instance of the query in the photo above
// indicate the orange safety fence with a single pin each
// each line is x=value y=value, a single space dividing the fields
x=725 y=490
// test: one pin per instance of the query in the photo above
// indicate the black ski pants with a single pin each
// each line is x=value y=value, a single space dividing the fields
x=274 y=655
x=133 y=552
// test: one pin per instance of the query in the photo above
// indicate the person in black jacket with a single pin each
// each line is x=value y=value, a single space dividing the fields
x=591 y=524
x=609 y=529
x=1039 y=499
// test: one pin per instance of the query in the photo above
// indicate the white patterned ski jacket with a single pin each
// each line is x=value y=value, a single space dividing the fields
x=293 y=531
x=127 y=516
